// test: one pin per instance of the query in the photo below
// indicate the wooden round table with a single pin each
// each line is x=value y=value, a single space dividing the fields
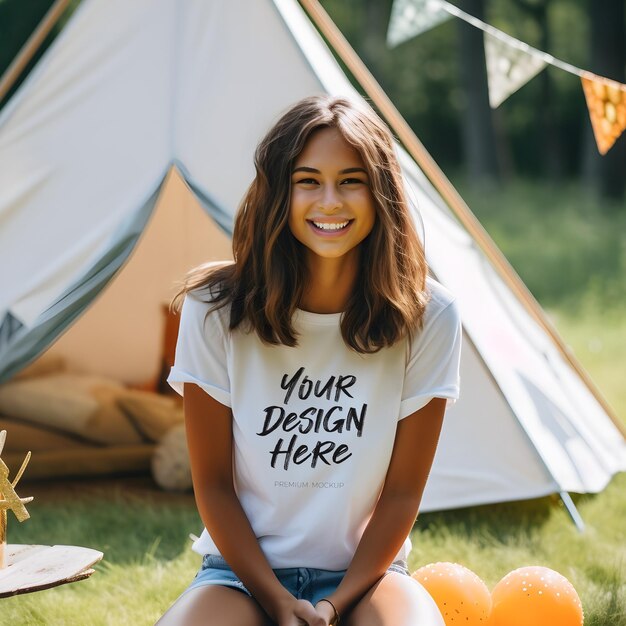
x=33 y=568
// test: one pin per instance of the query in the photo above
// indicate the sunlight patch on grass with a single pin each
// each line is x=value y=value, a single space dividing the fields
x=598 y=340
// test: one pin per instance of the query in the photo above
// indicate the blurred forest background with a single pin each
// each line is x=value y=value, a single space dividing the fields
x=530 y=170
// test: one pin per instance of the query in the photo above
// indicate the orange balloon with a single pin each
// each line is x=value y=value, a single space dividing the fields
x=462 y=597
x=538 y=596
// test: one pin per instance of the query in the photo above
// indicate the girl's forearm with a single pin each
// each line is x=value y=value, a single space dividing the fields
x=398 y=505
x=384 y=535
x=230 y=529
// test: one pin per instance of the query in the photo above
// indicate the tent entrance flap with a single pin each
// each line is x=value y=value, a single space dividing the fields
x=221 y=215
x=24 y=344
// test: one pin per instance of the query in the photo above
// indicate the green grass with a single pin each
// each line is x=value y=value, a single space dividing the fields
x=147 y=563
x=571 y=251
x=143 y=535
x=494 y=540
x=598 y=340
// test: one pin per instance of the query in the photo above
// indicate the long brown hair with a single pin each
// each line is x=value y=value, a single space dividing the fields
x=265 y=283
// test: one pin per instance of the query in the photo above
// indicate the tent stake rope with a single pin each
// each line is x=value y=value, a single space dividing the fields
x=416 y=149
x=31 y=46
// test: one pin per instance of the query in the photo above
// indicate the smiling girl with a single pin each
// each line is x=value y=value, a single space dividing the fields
x=315 y=371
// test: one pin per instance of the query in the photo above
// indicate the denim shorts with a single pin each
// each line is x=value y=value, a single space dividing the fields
x=302 y=582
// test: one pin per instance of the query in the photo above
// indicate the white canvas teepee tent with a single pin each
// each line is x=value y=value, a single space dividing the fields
x=130 y=90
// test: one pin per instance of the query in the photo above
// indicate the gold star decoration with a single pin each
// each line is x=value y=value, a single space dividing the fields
x=9 y=500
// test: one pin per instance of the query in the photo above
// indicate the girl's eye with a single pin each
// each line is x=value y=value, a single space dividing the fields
x=345 y=181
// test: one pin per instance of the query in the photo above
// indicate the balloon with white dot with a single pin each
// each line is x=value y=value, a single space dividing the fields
x=535 y=595
x=461 y=596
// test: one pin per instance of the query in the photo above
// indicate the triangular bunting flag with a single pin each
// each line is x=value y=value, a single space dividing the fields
x=606 y=101
x=410 y=18
x=508 y=68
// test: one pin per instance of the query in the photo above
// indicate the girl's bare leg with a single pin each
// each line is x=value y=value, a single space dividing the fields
x=395 y=600
x=214 y=605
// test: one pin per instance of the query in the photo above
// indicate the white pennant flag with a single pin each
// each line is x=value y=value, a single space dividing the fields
x=410 y=18
x=508 y=68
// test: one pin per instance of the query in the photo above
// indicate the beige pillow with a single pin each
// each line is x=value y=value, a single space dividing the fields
x=153 y=415
x=22 y=437
x=75 y=403
x=42 y=366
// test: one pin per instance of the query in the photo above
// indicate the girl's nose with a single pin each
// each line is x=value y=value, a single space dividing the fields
x=330 y=199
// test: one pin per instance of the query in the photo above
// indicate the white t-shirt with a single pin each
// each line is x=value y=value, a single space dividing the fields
x=314 y=425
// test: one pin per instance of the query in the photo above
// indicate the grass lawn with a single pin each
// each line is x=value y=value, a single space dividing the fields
x=572 y=253
x=143 y=534
x=599 y=342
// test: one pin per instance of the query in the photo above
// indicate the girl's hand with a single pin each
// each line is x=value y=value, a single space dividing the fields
x=300 y=613
x=326 y=611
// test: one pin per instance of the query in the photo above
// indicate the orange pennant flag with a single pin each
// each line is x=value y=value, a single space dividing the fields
x=606 y=101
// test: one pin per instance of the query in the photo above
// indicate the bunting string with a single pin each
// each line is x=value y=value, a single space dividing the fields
x=511 y=63
x=508 y=39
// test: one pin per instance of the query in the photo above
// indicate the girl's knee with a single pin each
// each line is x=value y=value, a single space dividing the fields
x=425 y=606
x=214 y=605
x=396 y=600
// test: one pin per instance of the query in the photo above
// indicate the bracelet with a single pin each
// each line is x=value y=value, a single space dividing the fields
x=335 y=620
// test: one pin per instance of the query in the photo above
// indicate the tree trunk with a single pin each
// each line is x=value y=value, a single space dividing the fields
x=376 y=19
x=607 y=54
x=478 y=133
x=552 y=150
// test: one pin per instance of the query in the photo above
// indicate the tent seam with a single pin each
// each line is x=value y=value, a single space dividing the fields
x=174 y=77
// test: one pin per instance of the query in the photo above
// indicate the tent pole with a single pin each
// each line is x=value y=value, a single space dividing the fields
x=31 y=46
x=416 y=149
x=573 y=511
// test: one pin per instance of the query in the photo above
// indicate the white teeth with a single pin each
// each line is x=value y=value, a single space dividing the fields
x=331 y=226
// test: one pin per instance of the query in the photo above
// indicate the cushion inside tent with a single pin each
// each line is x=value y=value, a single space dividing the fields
x=95 y=402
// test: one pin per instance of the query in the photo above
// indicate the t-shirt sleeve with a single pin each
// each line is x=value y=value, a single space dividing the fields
x=433 y=366
x=201 y=352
